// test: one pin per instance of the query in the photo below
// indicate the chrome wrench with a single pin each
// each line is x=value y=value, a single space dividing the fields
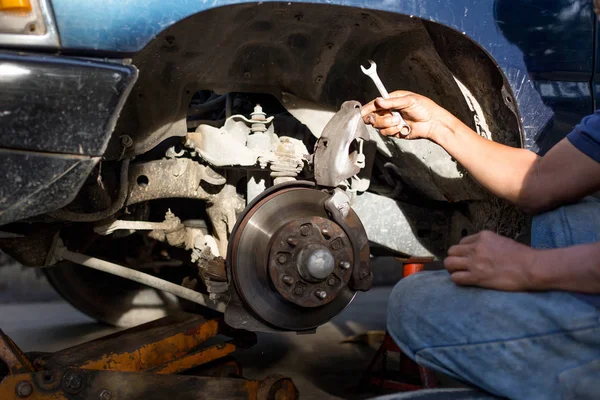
x=371 y=72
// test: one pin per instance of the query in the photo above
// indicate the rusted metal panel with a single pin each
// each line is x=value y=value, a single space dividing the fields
x=201 y=357
x=170 y=343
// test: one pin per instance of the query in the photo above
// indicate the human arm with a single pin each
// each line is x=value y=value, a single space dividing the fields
x=531 y=182
x=495 y=262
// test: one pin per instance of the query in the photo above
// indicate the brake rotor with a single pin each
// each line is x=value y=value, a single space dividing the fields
x=291 y=264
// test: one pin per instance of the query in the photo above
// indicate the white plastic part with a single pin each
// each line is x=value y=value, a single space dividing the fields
x=225 y=146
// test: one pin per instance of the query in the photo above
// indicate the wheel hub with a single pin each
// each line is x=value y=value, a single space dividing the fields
x=307 y=260
x=291 y=264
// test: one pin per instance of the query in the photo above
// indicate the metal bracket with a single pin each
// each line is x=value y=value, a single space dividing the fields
x=335 y=160
x=362 y=277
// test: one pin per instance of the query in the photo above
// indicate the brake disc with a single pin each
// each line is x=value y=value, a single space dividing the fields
x=291 y=264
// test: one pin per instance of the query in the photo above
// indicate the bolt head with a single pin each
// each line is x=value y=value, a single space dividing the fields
x=298 y=291
x=305 y=230
x=288 y=280
x=326 y=234
x=292 y=242
x=73 y=381
x=24 y=389
x=331 y=281
x=336 y=244
x=364 y=273
x=321 y=294
x=105 y=395
x=345 y=265
x=282 y=259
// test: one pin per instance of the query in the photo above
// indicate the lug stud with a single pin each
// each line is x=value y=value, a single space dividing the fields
x=344 y=265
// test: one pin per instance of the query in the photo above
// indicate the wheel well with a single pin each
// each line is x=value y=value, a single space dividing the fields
x=312 y=51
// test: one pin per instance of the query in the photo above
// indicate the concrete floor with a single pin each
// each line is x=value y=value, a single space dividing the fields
x=320 y=365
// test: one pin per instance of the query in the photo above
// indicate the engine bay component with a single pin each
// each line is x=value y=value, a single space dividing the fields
x=246 y=142
x=291 y=264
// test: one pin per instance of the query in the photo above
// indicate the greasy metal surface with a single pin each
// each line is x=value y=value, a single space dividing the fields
x=13 y=357
x=177 y=178
x=33 y=183
x=155 y=346
x=60 y=104
x=335 y=161
x=287 y=247
x=106 y=385
x=248 y=257
x=545 y=50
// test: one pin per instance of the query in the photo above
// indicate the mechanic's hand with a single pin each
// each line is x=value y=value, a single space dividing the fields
x=427 y=119
x=491 y=261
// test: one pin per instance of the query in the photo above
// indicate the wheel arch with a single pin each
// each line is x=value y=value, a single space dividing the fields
x=312 y=51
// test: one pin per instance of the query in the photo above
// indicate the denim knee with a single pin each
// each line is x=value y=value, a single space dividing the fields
x=397 y=310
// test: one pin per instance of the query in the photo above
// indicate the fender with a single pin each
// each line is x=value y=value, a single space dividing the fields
x=544 y=48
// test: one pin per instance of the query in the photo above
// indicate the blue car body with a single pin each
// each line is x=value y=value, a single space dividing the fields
x=544 y=50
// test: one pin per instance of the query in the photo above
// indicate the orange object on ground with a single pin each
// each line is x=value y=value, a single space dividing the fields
x=140 y=362
x=410 y=269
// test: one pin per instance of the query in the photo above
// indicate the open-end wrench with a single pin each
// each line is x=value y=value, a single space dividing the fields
x=371 y=72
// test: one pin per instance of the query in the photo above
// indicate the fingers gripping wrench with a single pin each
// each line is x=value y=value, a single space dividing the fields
x=371 y=72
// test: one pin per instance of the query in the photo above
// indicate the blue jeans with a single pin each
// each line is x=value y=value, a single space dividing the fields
x=516 y=345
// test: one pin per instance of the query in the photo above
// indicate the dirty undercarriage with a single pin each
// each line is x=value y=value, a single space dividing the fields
x=231 y=174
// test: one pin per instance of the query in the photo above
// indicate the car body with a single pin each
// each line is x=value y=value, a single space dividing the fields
x=520 y=72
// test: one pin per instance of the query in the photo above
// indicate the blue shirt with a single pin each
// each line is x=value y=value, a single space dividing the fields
x=586 y=138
